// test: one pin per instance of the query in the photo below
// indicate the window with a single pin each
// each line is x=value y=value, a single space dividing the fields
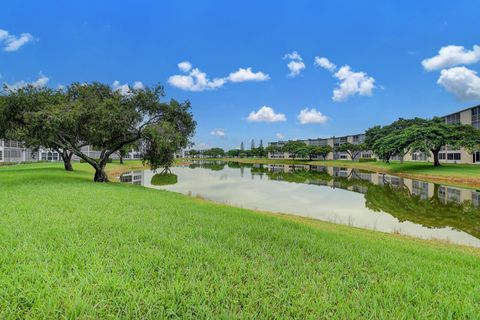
x=476 y=117
x=454 y=156
x=1 y=155
x=420 y=189
x=476 y=199
x=49 y=156
x=453 y=118
x=476 y=157
x=441 y=156
x=419 y=156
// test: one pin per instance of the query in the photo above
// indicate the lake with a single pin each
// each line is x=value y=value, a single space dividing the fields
x=347 y=196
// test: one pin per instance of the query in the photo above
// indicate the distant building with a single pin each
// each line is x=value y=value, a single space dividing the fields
x=469 y=116
x=332 y=142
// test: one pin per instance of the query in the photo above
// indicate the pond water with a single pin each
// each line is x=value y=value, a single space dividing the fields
x=353 y=197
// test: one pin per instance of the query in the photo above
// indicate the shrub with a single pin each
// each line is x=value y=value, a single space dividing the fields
x=367 y=159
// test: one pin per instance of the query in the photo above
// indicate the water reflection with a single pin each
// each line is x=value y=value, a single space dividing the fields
x=342 y=195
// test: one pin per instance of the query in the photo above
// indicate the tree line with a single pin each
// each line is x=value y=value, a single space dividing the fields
x=424 y=135
x=81 y=114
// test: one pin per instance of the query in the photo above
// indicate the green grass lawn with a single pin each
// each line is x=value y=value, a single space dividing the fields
x=74 y=249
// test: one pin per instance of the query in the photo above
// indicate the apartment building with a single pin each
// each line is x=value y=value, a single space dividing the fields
x=469 y=116
x=12 y=151
x=333 y=142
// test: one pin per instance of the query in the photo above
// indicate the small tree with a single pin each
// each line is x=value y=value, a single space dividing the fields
x=215 y=152
x=234 y=153
x=294 y=148
x=323 y=151
x=353 y=150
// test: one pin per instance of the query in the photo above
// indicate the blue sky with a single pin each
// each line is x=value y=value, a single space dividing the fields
x=383 y=42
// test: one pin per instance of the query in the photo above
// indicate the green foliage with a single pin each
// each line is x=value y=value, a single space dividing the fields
x=295 y=148
x=434 y=134
x=353 y=150
x=391 y=140
x=233 y=153
x=163 y=179
x=214 y=152
x=100 y=116
x=367 y=160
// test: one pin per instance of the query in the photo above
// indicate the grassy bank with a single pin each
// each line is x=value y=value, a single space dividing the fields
x=460 y=174
x=72 y=248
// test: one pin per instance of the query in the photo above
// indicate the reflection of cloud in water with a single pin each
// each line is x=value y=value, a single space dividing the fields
x=241 y=188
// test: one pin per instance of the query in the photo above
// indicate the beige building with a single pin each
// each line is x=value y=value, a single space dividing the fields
x=469 y=116
x=332 y=142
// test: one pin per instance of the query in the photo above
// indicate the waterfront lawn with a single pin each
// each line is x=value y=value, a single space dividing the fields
x=74 y=249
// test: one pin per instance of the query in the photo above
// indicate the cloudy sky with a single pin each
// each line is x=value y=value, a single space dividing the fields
x=257 y=69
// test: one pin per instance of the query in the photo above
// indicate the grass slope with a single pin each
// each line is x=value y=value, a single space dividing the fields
x=71 y=248
x=450 y=173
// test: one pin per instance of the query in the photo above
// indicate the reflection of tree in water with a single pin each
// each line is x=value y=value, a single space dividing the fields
x=301 y=176
x=394 y=197
x=433 y=212
x=212 y=165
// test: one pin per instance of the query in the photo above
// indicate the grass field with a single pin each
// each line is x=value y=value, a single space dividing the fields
x=460 y=174
x=74 y=249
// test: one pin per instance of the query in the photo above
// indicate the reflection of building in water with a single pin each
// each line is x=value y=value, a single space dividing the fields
x=424 y=190
x=132 y=177
x=420 y=188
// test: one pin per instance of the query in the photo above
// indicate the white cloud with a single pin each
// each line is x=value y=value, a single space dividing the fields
x=293 y=56
x=307 y=116
x=324 y=63
x=266 y=114
x=185 y=66
x=13 y=43
x=242 y=75
x=462 y=82
x=280 y=136
x=196 y=80
x=218 y=132
x=295 y=68
x=352 y=83
x=295 y=65
x=450 y=56
x=138 y=85
x=41 y=82
x=124 y=89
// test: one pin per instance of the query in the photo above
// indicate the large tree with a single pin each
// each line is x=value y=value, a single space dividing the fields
x=432 y=135
x=108 y=120
x=17 y=109
x=389 y=140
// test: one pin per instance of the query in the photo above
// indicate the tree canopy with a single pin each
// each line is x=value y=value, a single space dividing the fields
x=97 y=115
